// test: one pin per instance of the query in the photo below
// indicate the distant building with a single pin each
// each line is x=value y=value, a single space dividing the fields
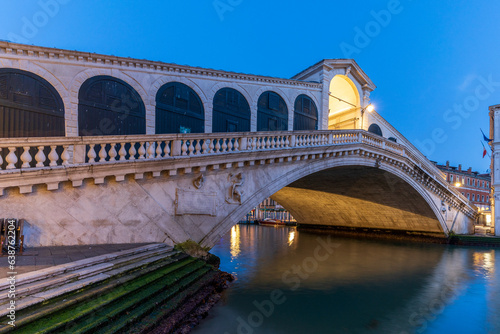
x=474 y=186
x=271 y=209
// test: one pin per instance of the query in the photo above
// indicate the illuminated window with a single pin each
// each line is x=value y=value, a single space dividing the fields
x=451 y=178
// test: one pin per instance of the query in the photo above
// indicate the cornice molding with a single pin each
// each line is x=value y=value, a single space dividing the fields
x=350 y=66
x=14 y=50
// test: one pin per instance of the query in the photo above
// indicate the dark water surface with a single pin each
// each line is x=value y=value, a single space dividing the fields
x=299 y=282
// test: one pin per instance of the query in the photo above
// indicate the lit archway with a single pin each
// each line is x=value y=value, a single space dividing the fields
x=344 y=104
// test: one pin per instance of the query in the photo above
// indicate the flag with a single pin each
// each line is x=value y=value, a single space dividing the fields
x=484 y=150
x=486 y=139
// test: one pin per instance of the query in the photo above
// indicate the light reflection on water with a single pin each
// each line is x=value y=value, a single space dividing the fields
x=297 y=282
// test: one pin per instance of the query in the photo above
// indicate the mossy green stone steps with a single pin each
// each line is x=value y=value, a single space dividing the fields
x=51 y=306
x=130 y=293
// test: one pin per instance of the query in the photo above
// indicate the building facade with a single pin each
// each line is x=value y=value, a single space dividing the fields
x=474 y=186
x=47 y=92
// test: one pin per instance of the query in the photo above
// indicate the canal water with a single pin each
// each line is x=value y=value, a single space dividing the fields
x=291 y=281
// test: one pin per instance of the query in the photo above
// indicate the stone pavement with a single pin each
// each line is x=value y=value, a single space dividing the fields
x=36 y=258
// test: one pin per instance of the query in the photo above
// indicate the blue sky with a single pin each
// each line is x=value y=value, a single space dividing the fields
x=436 y=63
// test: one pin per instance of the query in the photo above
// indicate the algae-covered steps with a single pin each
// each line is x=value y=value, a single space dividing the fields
x=134 y=295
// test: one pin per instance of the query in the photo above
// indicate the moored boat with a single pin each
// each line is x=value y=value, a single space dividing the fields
x=271 y=221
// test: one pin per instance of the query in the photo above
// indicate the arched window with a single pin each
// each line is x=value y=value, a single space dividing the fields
x=393 y=139
x=29 y=106
x=179 y=110
x=231 y=112
x=375 y=129
x=110 y=106
x=272 y=113
x=305 y=116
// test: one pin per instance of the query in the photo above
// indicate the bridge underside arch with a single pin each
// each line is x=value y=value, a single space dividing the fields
x=358 y=197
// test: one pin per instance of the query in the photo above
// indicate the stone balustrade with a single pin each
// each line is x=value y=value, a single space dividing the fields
x=36 y=153
x=20 y=155
x=30 y=153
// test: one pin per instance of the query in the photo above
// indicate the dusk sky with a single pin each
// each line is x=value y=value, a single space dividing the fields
x=436 y=64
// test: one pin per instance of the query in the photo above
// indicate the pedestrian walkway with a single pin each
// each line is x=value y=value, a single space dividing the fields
x=483 y=230
x=36 y=258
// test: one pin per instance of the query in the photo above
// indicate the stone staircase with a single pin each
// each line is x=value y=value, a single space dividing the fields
x=126 y=291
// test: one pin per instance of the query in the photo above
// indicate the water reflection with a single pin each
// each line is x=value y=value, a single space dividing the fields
x=291 y=237
x=235 y=241
x=295 y=282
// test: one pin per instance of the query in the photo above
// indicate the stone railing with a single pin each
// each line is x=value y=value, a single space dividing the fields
x=36 y=153
x=21 y=155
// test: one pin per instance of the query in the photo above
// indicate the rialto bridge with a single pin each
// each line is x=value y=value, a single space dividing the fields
x=103 y=149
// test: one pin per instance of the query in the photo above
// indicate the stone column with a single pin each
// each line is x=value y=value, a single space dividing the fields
x=495 y=171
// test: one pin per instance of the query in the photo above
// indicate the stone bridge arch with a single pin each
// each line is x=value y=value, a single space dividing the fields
x=435 y=221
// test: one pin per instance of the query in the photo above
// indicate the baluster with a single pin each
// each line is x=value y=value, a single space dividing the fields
x=230 y=145
x=158 y=149
x=197 y=149
x=65 y=155
x=91 y=155
x=166 y=150
x=204 y=147
x=266 y=143
x=40 y=157
x=26 y=157
x=132 y=151
x=151 y=150
x=255 y=143
x=236 y=144
x=280 y=141
x=1 y=159
x=53 y=156
x=102 y=153
x=112 y=152
x=287 y=141
x=211 y=146
x=142 y=151
x=191 y=148
x=11 y=158
x=184 y=148
x=122 y=152
x=224 y=145
x=217 y=146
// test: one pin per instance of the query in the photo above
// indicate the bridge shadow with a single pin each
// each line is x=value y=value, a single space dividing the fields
x=357 y=196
